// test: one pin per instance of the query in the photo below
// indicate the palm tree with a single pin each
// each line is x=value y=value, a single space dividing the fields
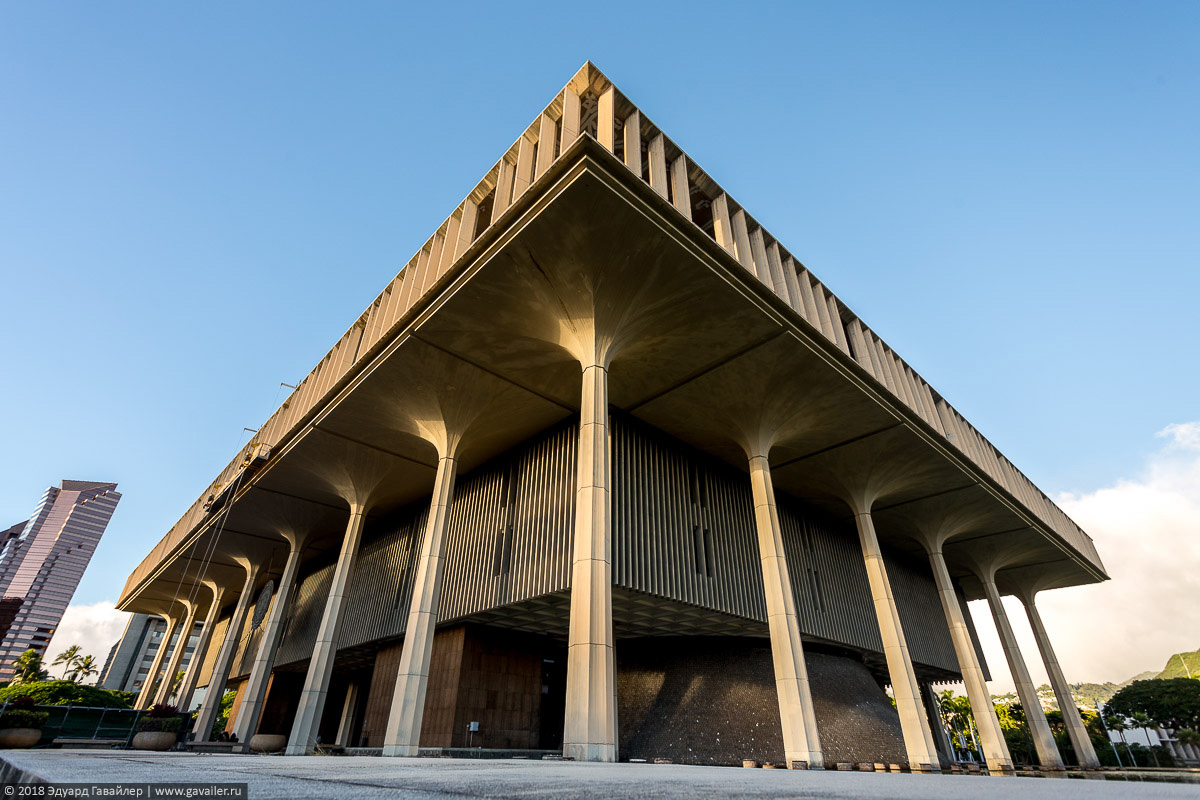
x=957 y=713
x=29 y=667
x=68 y=658
x=1143 y=721
x=83 y=668
x=1117 y=724
x=1105 y=722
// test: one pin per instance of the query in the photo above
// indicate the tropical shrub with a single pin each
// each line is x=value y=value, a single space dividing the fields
x=171 y=724
x=1169 y=702
x=64 y=693
x=22 y=713
x=23 y=719
x=222 y=715
x=161 y=717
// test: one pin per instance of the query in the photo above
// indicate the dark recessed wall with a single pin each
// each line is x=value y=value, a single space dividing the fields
x=713 y=701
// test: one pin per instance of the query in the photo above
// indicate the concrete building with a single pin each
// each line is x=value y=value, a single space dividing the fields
x=42 y=560
x=128 y=665
x=606 y=470
x=1187 y=754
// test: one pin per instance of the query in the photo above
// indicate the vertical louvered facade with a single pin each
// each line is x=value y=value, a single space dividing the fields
x=683 y=532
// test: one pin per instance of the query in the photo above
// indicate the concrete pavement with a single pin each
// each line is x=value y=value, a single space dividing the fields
x=296 y=778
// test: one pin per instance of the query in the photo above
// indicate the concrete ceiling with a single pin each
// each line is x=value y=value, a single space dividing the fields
x=596 y=265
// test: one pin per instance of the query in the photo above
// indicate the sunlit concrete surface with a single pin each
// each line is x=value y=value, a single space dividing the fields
x=597 y=280
x=330 y=776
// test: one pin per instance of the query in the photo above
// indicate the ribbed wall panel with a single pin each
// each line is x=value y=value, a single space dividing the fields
x=383 y=578
x=656 y=518
x=304 y=615
x=247 y=648
x=380 y=591
x=829 y=581
x=378 y=594
x=539 y=545
x=921 y=612
x=654 y=550
x=683 y=529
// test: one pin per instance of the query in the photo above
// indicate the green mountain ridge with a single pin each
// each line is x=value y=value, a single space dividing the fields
x=1089 y=695
x=1176 y=666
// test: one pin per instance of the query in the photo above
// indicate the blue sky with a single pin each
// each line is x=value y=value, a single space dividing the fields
x=196 y=200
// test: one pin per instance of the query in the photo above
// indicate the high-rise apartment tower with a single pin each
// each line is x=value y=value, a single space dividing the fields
x=42 y=561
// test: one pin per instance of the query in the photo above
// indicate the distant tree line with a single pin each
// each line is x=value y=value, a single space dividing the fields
x=1172 y=703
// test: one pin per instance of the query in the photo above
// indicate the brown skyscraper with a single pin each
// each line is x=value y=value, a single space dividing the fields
x=42 y=561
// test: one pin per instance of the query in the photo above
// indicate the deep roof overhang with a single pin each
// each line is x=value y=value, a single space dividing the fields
x=700 y=349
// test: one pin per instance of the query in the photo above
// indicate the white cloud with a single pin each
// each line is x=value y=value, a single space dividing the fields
x=1184 y=435
x=95 y=628
x=1147 y=530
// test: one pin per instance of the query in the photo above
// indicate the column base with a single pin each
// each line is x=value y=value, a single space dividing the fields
x=590 y=752
x=805 y=761
x=296 y=750
x=401 y=750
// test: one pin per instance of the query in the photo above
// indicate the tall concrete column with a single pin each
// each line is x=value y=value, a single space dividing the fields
x=995 y=749
x=177 y=657
x=801 y=741
x=941 y=739
x=403 y=735
x=590 y=729
x=260 y=674
x=918 y=739
x=185 y=633
x=1039 y=729
x=1175 y=748
x=320 y=667
x=1062 y=690
x=345 y=734
x=147 y=690
x=220 y=672
x=188 y=687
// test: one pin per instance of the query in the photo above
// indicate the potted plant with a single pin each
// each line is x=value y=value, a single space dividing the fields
x=159 y=729
x=21 y=723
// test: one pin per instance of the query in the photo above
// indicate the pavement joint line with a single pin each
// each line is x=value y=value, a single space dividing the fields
x=470 y=779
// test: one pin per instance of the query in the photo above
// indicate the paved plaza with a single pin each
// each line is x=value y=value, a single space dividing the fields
x=295 y=778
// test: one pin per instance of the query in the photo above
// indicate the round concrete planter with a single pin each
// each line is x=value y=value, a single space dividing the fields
x=154 y=740
x=20 y=737
x=267 y=742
